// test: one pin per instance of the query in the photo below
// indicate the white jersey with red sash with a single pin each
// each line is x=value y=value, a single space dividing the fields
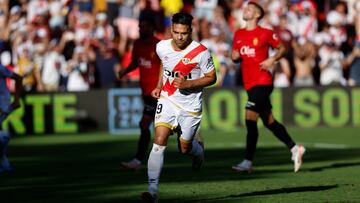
x=192 y=62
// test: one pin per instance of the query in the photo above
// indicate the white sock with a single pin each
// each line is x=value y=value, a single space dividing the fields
x=155 y=163
x=196 y=149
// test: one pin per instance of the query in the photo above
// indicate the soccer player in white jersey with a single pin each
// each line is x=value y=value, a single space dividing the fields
x=6 y=107
x=187 y=68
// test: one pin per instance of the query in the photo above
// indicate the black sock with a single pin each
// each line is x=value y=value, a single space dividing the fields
x=143 y=144
x=251 y=139
x=280 y=132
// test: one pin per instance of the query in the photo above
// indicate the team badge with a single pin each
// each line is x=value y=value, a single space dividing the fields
x=255 y=41
x=210 y=63
x=185 y=61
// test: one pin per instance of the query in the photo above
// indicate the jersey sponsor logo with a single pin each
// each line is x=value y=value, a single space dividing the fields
x=144 y=63
x=175 y=74
x=255 y=41
x=246 y=50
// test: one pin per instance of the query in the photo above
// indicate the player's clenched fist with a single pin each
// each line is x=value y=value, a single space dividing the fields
x=156 y=93
x=179 y=81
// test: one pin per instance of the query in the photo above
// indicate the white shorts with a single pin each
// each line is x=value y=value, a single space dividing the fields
x=170 y=115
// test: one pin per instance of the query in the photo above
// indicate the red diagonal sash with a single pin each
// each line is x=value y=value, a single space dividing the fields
x=185 y=69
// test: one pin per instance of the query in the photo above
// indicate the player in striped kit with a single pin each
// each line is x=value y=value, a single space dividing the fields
x=187 y=68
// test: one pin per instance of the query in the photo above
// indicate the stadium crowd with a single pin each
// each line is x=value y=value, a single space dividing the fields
x=77 y=45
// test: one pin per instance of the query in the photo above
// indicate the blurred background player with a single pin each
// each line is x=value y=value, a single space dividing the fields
x=187 y=68
x=251 y=47
x=144 y=56
x=6 y=107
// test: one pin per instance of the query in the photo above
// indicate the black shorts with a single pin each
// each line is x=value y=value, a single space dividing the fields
x=149 y=105
x=259 y=98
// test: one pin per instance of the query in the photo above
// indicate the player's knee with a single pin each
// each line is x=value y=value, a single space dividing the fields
x=272 y=126
x=160 y=140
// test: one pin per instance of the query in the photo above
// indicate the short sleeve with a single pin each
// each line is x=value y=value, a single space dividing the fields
x=206 y=63
x=273 y=40
x=5 y=73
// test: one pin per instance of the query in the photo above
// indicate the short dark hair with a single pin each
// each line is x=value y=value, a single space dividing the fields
x=262 y=12
x=182 y=18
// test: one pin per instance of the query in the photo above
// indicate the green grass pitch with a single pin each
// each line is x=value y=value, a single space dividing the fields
x=86 y=168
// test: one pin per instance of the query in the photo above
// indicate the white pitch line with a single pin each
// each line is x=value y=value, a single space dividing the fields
x=330 y=146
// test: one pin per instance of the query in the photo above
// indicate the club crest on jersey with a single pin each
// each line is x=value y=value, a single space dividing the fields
x=186 y=61
x=255 y=41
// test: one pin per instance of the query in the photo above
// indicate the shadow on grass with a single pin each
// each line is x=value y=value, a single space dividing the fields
x=333 y=166
x=272 y=192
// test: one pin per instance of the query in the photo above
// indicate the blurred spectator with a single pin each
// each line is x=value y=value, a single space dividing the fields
x=306 y=23
x=4 y=8
x=128 y=22
x=100 y=6
x=353 y=62
x=84 y=5
x=103 y=30
x=37 y=8
x=107 y=65
x=331 y=65
x=54 y=66
x=57 y=18
x=304 y=61
x=112 y=9
x=337 y=20
x=205 y=8
x=26 y=68
x=77 y=71
x=5 y=60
